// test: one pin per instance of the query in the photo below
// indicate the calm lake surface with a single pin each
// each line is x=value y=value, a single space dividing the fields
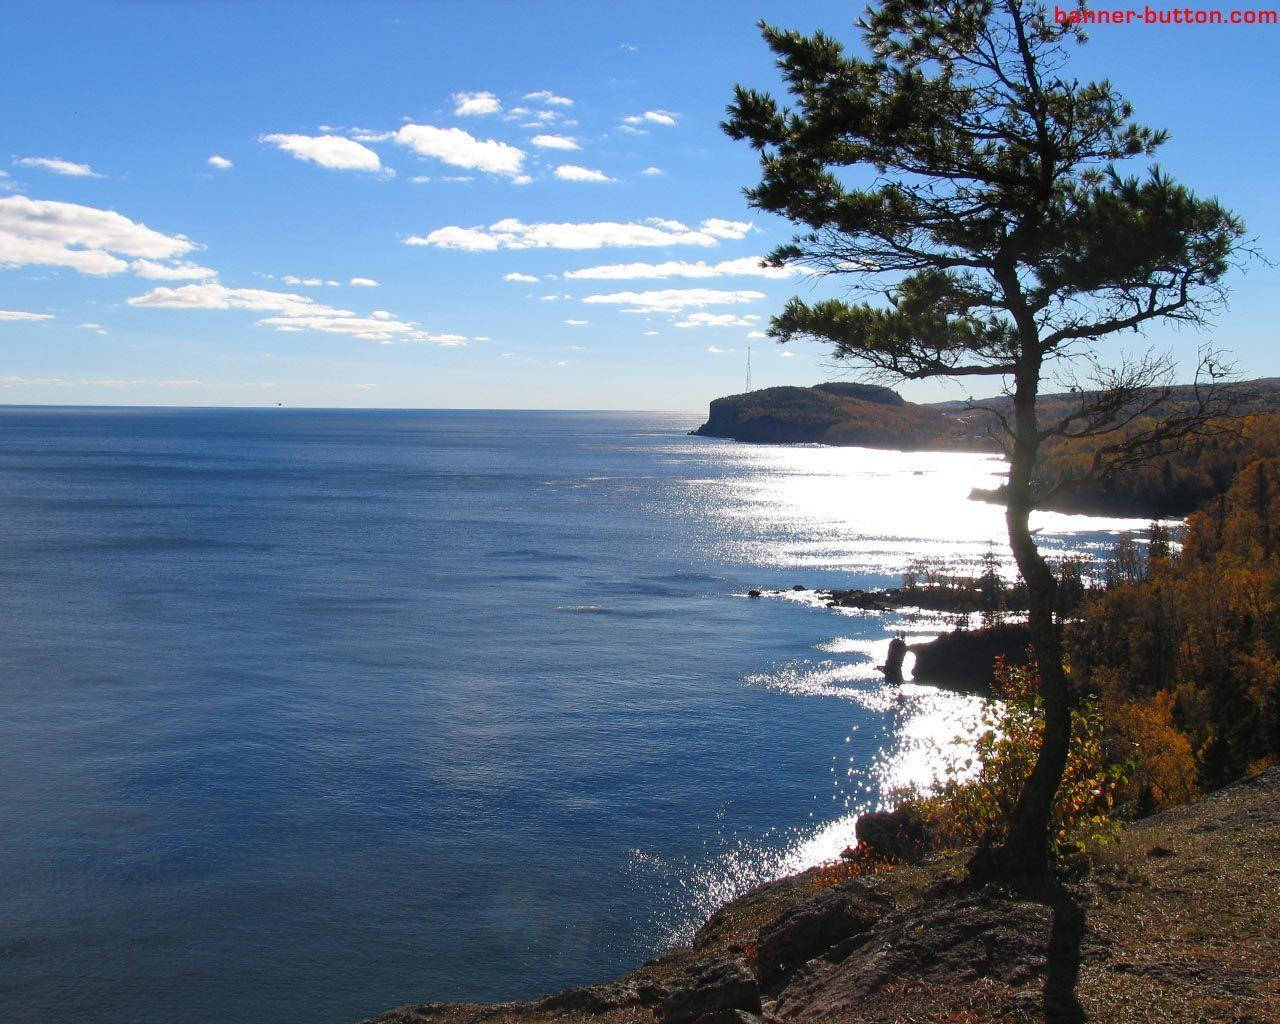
x=308 y=714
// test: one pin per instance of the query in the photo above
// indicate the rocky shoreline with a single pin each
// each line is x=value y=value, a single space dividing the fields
x=883 y=939
x=960 y=660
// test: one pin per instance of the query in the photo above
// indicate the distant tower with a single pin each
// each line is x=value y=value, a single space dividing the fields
x=748 y=367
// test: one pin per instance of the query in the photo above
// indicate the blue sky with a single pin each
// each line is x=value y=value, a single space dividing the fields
x=499 y=169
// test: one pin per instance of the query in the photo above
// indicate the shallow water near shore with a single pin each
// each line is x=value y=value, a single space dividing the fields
x=308 y=714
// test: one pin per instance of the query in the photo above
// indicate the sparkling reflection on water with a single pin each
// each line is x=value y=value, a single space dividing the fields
x=864 y=515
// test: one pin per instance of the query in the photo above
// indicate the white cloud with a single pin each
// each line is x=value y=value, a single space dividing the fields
x=747 y=266
x=515 y=234
x=220 y=162
x=292 y=313
x=179 y=271
x=56 y=165
x=715 y=351
x=332 y=151
x=785 y=355
x=576 y=323
x=457 y=148
x=673 y=300
x=520 y=278
x=96 y=328
x=554 y=142
x=471 y=104
x=466 y=239
x=572 y=172
x=364 y=282
x=366 y=387
x=734 y=229
x=306 y=282
x=717 y=320
x=754 y=335
x=665 y=117
x=17 y=314
x=651 y=171
x=548 y=97
x=213 y=295
x=47 y=233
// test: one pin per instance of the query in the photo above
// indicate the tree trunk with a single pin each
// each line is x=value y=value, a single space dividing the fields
x=1025 y=854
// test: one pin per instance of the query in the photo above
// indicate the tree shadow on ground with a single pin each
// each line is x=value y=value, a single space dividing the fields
x=1060 y=1003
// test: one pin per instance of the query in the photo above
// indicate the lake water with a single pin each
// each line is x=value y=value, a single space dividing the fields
x=308 y=714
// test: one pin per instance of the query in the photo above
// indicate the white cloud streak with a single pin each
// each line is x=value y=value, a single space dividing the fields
x=663 y=117
x=457 y=148
x=292 y=313
x=673 y=300
x=716 y=320
x=180 y=271
x=56 y=165
x=554 y=142
x=549 y=98
x=42 y=232
x=11 y=315
x=515 y=234
x=572 y=172
x=331 y=151
x=747 y=266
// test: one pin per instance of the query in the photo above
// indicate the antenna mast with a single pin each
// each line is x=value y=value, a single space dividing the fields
x=748 y=367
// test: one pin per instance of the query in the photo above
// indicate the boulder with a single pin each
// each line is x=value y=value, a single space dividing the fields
x=710 y=987
x=893 y=662
x=893 y=835
x=814 y=925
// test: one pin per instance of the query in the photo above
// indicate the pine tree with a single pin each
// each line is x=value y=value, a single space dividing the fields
x=963 y=188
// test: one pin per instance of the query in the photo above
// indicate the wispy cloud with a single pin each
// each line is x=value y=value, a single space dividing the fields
x=515 y=234
x=673 y=300
x=364 y=282
x=180 y=271
x=662 y=117
x=520 y=278
x=457 y=148
x=62 y=382
x=56 y=165
x=331 y=151
x=292 y=313
x=716 y=320
x=747 y=266
x=548 y=97
x=7 y=315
